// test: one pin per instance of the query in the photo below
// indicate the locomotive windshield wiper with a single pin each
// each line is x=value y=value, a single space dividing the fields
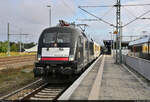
x=56 y=37
x=47 y=49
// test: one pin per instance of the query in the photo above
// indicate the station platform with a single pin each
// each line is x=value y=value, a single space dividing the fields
x=109 y=81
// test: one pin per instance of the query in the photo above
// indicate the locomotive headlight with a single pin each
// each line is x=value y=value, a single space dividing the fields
x=39 y=57
x=71 y=58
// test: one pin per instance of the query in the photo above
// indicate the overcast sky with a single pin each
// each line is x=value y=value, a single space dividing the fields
x=32 y=16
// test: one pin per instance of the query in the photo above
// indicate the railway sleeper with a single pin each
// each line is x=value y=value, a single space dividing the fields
x=40 y=93
x=34 y=98
x=44 y=96
x=50 y=91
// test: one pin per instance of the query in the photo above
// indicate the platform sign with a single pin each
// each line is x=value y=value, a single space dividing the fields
x=115 y=32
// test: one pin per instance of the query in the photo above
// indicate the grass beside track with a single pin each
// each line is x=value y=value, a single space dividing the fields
x=16 y=54
x=12 y=79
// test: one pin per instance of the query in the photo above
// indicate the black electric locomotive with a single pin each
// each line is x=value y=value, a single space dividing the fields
x=63 y=50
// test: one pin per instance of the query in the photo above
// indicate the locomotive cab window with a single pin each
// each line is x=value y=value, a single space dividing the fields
x=56 y=38
x=63 y=38
x=49 y=38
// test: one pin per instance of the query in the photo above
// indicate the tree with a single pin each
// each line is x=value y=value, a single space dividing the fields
x=3 y=46
x=14 y=47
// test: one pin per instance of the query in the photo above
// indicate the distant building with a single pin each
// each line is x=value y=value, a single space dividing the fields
x=32 y=49
x=110 y=44
x=107 y=44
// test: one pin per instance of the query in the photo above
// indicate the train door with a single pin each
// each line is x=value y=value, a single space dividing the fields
x=148 y=50
x=86 y=54
x=91 y=51
x=80 y=53
x=88 y=51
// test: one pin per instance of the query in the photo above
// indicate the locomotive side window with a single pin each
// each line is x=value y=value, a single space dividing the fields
x=86 y=45
x=91 y=48
x=81 y=39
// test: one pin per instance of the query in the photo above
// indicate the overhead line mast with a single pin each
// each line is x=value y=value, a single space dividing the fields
x=118 y=26
x=118 y=29
x=8 y=39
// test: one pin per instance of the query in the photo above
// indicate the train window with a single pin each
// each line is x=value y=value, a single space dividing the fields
x=57 y=37
x=81 y=39
x=63 y=38
x=86 y=45
x=149 y=48
x=145 y=48
x=139 y=48
x=49 y=38
x=91 y=48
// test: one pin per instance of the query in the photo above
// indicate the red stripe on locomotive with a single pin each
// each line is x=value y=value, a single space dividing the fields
x=55 y=58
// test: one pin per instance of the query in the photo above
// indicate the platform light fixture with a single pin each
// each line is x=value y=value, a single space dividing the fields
x=49 y=6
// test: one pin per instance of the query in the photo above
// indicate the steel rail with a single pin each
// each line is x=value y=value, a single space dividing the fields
x=15 y=92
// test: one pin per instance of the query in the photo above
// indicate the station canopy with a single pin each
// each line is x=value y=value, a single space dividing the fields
x=141 y=40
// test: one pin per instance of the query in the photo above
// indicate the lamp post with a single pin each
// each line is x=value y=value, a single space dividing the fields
x=111 y=42
x=111 y=38
x=8 y=49
x=49 y=6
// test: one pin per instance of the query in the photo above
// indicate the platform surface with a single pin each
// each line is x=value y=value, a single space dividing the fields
x=115 y=83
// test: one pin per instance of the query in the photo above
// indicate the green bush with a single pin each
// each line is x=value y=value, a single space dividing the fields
x=14 y=47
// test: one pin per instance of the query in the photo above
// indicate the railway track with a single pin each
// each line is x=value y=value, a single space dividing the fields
x=48 y=92
x=38 y=90
x=22 y=92
x=17 y=59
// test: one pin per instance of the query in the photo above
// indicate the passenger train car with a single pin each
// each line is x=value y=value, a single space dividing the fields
x=140 y=47
x=64 y=50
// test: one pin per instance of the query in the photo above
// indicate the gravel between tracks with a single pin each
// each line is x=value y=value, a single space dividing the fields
x=13 y=79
